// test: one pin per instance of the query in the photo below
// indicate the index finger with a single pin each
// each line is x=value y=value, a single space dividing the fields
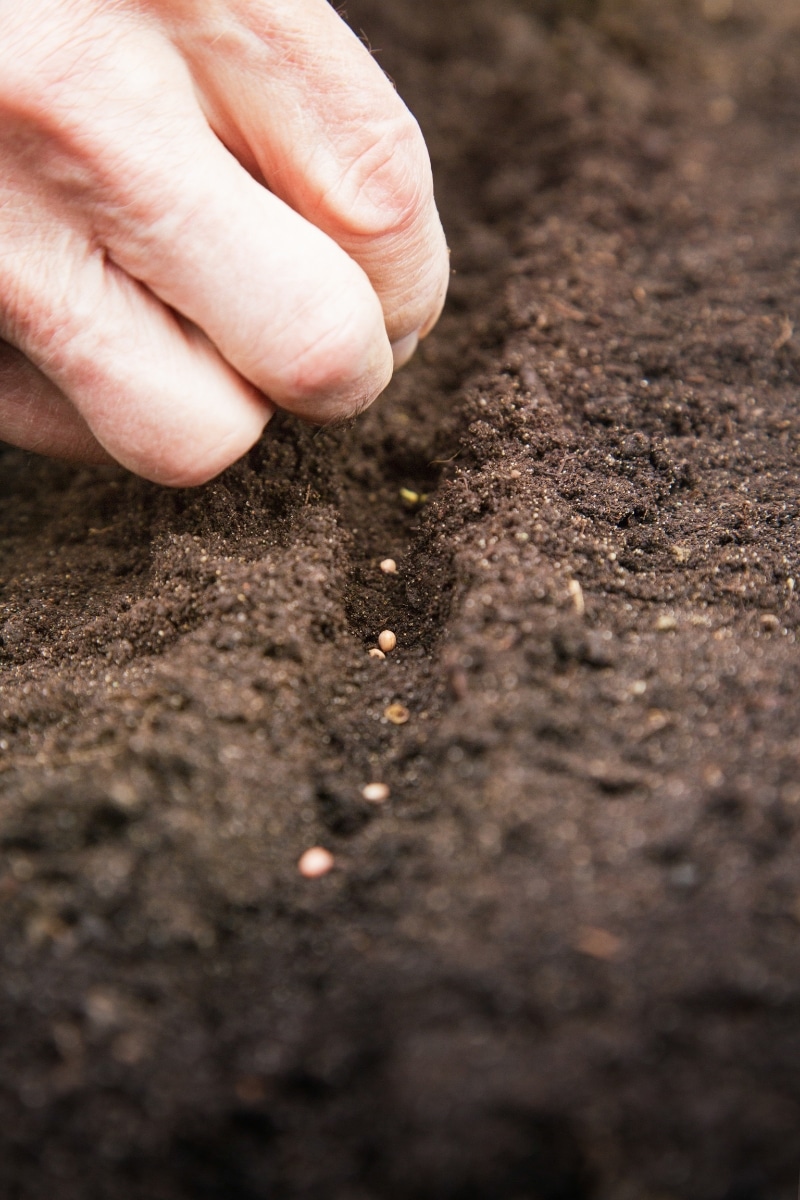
x=297 y=97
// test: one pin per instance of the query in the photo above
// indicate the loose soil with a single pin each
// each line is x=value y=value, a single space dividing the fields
x=562 y=961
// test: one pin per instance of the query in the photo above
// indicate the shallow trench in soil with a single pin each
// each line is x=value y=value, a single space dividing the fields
x=562 y=960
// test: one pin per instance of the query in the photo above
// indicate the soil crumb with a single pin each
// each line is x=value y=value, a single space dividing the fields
x=561 y=960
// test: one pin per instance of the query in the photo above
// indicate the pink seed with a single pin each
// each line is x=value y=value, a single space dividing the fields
x=375 y=793
x=315 y=863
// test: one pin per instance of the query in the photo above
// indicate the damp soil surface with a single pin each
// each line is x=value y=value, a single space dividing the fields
x=562 y=960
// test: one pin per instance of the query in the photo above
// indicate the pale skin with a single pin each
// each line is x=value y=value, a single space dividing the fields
x=208 y=209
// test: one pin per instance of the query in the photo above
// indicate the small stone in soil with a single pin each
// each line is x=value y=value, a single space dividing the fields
x=598 y=943
x=315 y=863
x=576 y=592
x=389 y=566
x=387 y=641
x=376 y=793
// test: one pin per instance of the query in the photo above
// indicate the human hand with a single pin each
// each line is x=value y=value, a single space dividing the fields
x=206 y=209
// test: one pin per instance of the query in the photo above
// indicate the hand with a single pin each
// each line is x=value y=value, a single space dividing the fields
x=206 y=209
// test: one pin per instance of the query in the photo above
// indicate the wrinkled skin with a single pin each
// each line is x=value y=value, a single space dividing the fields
x=206 y=210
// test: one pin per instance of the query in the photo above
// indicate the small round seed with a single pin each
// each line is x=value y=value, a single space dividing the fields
x=398 y=714
x=387 y=641
x=376 y=793
x=389 y=566
x=376 y=653
x=315 y=863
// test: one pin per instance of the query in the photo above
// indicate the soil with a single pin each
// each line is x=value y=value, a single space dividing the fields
x=562 y=961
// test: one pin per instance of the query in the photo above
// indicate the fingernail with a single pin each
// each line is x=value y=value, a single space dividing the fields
x=404 y=350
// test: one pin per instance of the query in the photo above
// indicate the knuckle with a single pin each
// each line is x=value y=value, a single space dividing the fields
x=41 y=313
x=328 y=368
x=321 y=370
x=50 y=83
x=84 y=122
x=387 y=185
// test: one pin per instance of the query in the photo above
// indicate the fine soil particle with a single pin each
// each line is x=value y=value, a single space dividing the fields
x=562 y=960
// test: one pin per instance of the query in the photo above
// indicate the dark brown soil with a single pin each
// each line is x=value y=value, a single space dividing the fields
x=563 y=961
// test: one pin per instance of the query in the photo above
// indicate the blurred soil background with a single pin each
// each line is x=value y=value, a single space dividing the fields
x=562 y=961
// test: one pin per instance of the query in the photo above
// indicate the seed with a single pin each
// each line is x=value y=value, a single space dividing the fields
x=376 y=653
x=413 y=498
x=375 y=793
x=398 y=714
x=389 y=566
x=315 y=863
x=387 y=641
